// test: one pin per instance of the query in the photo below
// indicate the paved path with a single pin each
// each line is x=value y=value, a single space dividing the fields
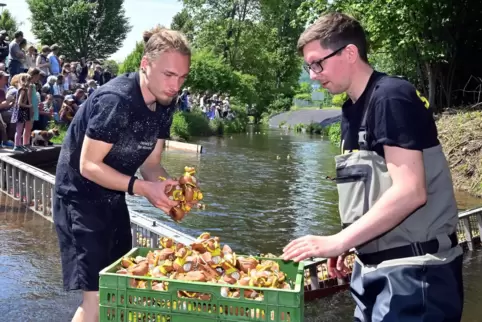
x=303 y=116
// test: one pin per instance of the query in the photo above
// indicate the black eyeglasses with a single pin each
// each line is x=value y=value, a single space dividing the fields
x=316 y=65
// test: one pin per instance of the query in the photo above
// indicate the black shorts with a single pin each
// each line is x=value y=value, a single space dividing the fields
x=92 y=235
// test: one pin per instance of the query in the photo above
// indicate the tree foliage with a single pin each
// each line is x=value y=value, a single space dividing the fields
x=133 y=61
x=91 y=29
x=9 y=23
x=255 y=38
x=431 y=42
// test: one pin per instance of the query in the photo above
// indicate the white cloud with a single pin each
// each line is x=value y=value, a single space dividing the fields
x=143 y=14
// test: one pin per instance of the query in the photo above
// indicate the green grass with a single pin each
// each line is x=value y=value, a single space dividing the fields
x=62 y=129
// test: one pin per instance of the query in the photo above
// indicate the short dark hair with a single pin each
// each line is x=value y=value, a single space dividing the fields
x=18 y=34
x=335 y=30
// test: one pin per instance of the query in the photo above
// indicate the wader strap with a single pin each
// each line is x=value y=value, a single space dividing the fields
x=415 y=249
x=363 y=140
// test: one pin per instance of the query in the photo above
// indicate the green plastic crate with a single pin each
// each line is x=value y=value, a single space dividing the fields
x=120 y=302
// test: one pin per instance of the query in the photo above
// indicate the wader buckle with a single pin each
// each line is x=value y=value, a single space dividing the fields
x=417 y=249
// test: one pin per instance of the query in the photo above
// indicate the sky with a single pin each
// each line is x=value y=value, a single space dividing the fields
x=142 y=14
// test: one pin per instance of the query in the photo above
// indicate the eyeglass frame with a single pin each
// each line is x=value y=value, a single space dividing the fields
x=318 y=62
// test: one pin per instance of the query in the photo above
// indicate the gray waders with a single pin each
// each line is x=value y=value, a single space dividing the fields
x=414 y=271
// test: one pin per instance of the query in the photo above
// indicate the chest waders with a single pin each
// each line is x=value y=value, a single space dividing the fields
x=399 y=273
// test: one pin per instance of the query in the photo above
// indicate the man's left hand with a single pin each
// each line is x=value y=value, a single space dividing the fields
x=313 y=246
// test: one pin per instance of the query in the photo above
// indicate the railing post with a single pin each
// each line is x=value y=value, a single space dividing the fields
x=2 y=174
x=14 y=182
x=479 y=223
x=28 y=191
x=468 y=233
x=20 y=184
x=44 y=199
x=35 y=194
x=8 y=173
x=134 y=234
x=52 y=192
x=314 y=281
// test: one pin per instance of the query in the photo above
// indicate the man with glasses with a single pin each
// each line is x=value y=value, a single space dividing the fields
x=396 y=197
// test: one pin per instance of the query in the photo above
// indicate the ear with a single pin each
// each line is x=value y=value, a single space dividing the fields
x=144 y=64
x=352 y=52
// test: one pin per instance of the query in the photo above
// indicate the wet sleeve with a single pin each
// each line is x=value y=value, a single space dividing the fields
x=402 y=122
x=165 y=125
x=108 y=118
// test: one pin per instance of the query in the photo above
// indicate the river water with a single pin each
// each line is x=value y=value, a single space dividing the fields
x=262 y=190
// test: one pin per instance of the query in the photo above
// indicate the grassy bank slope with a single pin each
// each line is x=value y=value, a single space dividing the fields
x=461 y=138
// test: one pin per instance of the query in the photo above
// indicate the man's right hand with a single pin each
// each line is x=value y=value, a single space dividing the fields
x=337 y=267
x=155 y=192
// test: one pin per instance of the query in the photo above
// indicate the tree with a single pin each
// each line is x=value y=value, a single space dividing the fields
x=430 y=41
x=91 y=29
x=111 y=65
x=9 y=23
x=133 y=61
x=183 y=22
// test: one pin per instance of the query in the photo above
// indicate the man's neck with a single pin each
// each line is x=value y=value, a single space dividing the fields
x=359 y=82
x=146 y=93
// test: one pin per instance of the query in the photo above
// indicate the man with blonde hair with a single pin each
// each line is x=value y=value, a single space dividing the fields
x=396 y=197
x=119 y=129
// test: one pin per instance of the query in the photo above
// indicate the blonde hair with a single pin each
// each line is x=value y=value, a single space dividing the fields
x=20 y=80
x=24 y=81
x=160 y=39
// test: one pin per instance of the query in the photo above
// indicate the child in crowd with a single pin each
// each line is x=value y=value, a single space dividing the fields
x=46 y=111
x=21 y=114
x=67 y=111
x=92 y=85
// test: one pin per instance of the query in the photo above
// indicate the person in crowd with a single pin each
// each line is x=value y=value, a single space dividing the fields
x=54 y=61
x=82 y=71
x=43 y=62
x=34 y=99
x=4 y=105
x=31 y=57
x=92 y=85
x=21 y=113
x=3 y=46
x=46 y=111
x=119 y=129
x=67 y=111
x=16 y=55
x=396 y=196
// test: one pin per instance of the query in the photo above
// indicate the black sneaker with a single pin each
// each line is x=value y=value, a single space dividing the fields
x=18 y=149
x=26 y=148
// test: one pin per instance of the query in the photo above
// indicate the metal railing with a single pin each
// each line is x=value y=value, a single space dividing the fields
x=35 y=188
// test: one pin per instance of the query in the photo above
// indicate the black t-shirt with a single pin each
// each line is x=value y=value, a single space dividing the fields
x=115 y=113
x=398 y=116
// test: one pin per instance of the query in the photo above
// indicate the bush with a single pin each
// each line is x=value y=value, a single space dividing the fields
x=333 y=132
x=195 y=123
x=339 y=99
x=299 y=127
x=314 y=128
x=304 y=97
x=133 y=61
x=180 y=127
x=281 y=103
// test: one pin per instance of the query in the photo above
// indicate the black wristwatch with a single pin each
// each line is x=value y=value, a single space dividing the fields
x=130 y=187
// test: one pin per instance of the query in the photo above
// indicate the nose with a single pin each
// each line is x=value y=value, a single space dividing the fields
x=313 y=75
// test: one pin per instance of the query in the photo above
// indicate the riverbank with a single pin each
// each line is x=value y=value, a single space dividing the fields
x=188 y=124
x=461 y=137
x=460 y=134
